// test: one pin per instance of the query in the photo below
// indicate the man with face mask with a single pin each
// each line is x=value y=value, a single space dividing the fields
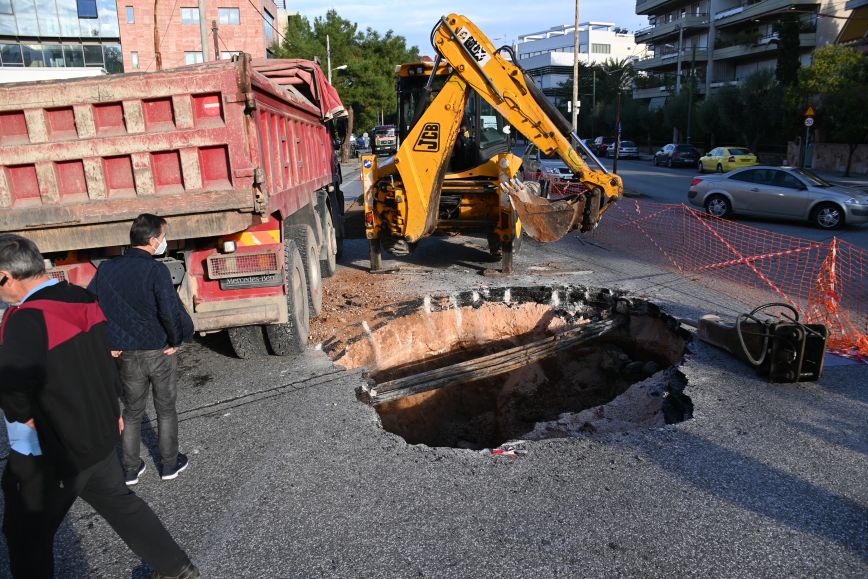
x=146 y=325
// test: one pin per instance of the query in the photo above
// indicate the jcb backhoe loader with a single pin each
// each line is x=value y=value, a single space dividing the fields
x=454 y=170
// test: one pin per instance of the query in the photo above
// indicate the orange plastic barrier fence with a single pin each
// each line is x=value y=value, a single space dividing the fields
x=824 y=281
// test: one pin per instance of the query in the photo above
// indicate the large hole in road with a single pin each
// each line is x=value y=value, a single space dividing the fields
x=480 y=368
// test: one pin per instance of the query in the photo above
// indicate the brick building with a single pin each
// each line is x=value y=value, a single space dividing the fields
x=186 y=35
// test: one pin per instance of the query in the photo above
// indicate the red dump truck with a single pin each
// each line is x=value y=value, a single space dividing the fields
x=238 y=156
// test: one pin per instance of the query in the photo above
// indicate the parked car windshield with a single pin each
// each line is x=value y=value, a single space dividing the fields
x=686 y=148
x=628 y=144
x=739 y=152
x=552 y=156
x=815 y=179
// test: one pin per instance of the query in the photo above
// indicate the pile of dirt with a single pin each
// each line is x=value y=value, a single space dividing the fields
x=351 y=296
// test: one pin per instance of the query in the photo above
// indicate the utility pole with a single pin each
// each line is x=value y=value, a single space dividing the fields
x=216 y=46
x=690 y=92
x=575 y=107
x=329 y=57
x=203 y=32
x=675 y=135
x=158 y=58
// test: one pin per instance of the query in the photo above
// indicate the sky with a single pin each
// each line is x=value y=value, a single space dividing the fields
x=501 y=20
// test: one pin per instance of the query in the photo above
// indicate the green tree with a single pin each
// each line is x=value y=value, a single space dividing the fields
x=367 y=85
x=837 y=82
x=788 y=63
x=761 y=115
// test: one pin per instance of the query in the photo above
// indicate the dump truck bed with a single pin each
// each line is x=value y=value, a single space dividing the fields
x=212 y=147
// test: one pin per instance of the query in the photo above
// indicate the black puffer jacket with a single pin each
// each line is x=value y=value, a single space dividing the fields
x=56 y=367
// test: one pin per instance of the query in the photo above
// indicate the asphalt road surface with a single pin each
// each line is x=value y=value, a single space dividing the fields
x=291 y=476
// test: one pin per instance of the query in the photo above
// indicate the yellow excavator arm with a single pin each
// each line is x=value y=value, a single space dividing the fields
x=508 y=89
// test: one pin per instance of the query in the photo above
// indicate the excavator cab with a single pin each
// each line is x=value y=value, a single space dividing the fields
x=481 y=136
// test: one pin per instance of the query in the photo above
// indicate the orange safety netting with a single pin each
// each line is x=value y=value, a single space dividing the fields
x=823 y=280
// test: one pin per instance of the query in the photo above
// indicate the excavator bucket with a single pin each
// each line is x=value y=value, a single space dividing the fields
x=541 y=219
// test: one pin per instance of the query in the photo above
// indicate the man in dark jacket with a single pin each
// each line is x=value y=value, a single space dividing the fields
x=146 y=325
x=59 y=392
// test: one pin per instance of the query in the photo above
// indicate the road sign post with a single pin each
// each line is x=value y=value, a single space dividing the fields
x=810 y=115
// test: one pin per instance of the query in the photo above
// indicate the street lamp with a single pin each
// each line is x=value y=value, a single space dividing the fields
x=341 y=67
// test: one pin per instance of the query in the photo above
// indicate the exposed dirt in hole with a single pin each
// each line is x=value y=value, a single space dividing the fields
x=548 y=397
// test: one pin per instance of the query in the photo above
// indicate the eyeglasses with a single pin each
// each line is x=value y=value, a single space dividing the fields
x=4 y=280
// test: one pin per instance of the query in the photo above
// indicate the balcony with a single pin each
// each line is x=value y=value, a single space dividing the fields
x=653 y=33
x=649 y=93
x=644 y=7
x=766 y=44
x=750 y=11
x=669 y=59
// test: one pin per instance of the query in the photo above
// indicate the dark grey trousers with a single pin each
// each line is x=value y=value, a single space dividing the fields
x=35 y=504
x=141 y=371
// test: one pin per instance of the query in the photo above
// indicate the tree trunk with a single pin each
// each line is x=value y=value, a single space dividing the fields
x=345 y=147
x=853 y=148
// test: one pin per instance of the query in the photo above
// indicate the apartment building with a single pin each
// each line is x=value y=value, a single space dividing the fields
x=60 y=33
x=721 y=42
x=548 y=56
x=193 y=31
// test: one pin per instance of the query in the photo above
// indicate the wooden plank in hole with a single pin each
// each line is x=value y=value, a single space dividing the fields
x=491 y=365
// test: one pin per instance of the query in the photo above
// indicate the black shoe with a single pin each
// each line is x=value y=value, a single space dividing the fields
x=189 y=571
x=170 y=473
x=132 y=476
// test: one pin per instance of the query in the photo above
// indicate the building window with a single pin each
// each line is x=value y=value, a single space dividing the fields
x=5 y=6
x=87 y=8
x=269 y=28
x=134 y=59
x=228 y=54
x=10 y=55
x=601 y=48
x=93 y=55
x=189 y=16
x=229 y=16
x=193 y=57
x=131 y=15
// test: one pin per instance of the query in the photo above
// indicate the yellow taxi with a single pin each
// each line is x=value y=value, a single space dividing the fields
x=723 y=159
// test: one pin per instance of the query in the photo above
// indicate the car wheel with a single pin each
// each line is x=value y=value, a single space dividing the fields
x=700 y=167
x=669 y=162
x=828 y=216
x=719 y=168
x=718 y=206
x=656 y=161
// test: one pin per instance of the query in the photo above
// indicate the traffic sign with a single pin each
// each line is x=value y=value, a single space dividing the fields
x=809 y=121
x=810 y=113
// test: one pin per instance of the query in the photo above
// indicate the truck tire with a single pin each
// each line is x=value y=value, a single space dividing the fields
x=329 y=265
x=247 y=342
x=291 y=337
x=305 y=241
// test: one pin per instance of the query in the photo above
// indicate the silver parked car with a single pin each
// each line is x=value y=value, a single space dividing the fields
x=780 y=192
x=626 y=150
x=535 y=161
